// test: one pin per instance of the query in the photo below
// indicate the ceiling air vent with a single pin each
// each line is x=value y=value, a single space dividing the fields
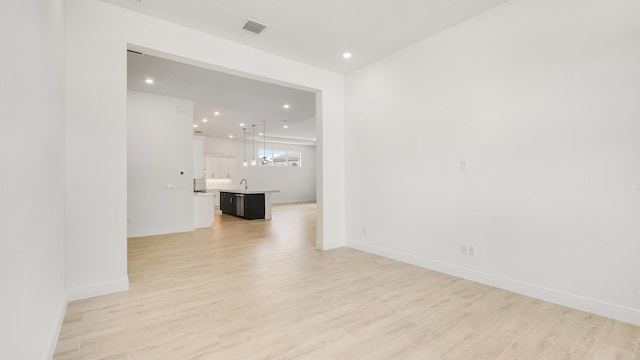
x=254 y=27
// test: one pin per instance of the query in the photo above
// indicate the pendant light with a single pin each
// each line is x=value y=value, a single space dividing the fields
x=264 y=139
x=253 y=153
x=244 y=135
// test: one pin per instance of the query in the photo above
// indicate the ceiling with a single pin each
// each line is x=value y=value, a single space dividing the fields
x=312 y=32
x=318 y=32
x=238 y=100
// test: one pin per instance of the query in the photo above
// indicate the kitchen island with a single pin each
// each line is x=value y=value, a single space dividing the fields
x=248 y=204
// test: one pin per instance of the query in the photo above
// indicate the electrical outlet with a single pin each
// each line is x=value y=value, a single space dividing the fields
x=464 y=249
x=472 y=250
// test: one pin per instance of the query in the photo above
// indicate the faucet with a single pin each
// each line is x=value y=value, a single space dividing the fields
x=246 y=186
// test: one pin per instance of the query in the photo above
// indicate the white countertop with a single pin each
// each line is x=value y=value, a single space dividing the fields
x=248 y=191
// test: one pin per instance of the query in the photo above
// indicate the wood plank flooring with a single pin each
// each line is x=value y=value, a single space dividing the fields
x=260 y=290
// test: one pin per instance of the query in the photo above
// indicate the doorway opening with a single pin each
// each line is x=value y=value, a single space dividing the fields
x=220 y=105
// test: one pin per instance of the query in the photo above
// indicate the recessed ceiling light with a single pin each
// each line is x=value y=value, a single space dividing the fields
x=260 y=134
x=231 y=136
x=314 y=139
x=286 y=126
x=216 y=113
x=195 y=125
x=204 y=120
x=148 y=80
x=242 y=124
x=286 y=106
x=346 y=55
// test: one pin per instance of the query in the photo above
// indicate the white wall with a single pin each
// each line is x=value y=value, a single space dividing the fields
x=541 y=97
x=32 y=296
x=296 y=184
x=98 y=35
x=159 y=149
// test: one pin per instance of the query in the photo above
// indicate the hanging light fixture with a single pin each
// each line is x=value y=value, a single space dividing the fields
x=264 y=139
x=253 y=153
x=244 y=135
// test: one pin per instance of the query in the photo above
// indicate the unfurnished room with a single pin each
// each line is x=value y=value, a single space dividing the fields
x=329 y=180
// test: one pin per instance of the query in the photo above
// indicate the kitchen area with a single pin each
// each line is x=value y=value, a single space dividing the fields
x=203 y=144
x=218 y=190
x=242 y=203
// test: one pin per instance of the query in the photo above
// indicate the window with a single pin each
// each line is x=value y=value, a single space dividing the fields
x=280 y=157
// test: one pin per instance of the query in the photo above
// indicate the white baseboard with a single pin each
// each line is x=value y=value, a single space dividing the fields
x=325 y=245
x=158 y=231
x=88 y=291
x=53 y=342
x=613 y=311
x=293 y=202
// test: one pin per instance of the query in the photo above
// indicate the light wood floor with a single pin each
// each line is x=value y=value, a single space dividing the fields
x=260 y=290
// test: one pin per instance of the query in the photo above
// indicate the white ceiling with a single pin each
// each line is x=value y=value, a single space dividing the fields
x=318 y=32
x=312 y=32
x=238 y=100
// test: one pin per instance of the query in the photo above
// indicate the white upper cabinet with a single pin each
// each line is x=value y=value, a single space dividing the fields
x=221 y=167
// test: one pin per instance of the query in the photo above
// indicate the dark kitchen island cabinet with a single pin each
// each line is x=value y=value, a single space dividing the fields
x=228 y=203
x=242 y=204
